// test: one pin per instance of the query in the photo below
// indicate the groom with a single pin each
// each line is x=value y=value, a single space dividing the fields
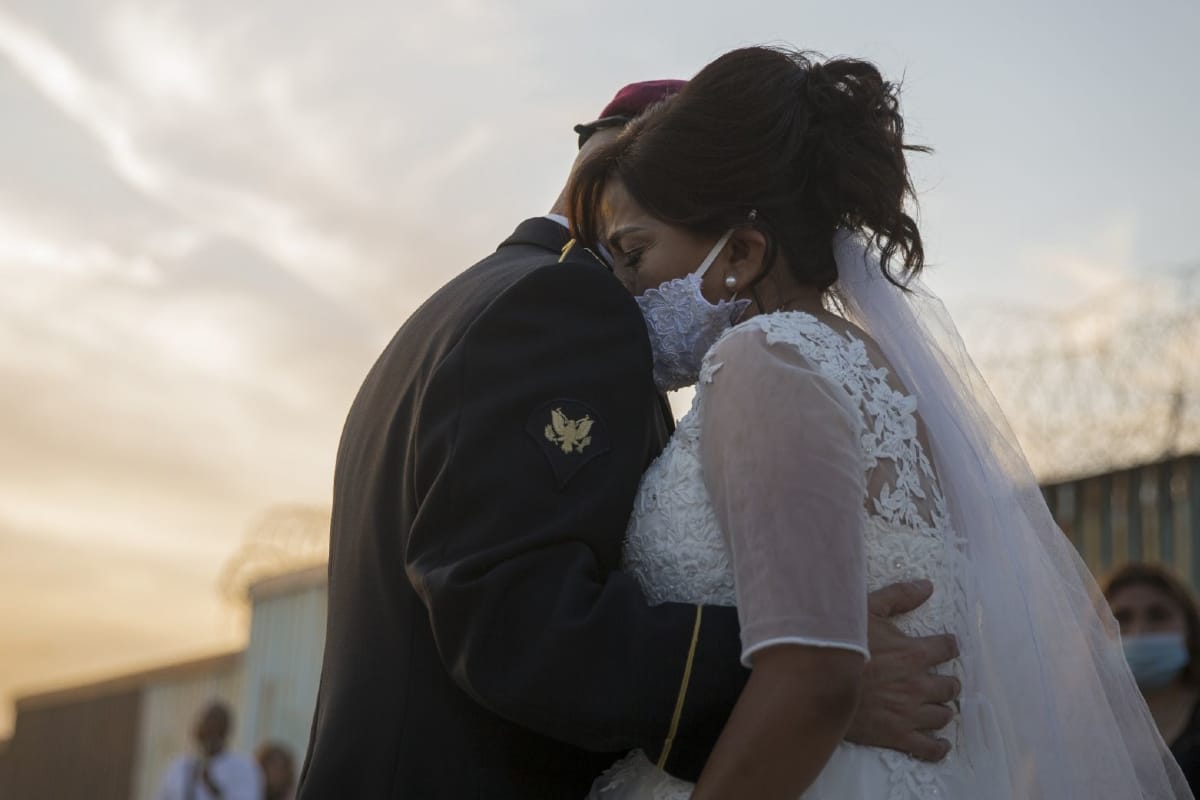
x=482 y=641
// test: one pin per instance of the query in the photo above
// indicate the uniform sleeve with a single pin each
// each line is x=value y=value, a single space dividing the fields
x=533 y=439
x=782 y=463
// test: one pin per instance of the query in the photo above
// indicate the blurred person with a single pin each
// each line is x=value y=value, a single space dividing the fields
x=278 y=770
x=213 y=773
x=1160 y=633
x=839 y=440
x=482 y=640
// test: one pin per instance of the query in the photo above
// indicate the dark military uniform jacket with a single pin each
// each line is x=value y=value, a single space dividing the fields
x=482 y=641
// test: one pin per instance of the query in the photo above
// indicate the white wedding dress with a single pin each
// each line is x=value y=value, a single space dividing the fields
x=805 y=475
x=843 y=412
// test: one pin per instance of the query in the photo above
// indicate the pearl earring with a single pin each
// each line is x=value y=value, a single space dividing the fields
x=730 y=282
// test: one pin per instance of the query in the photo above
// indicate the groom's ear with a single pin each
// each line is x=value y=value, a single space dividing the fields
x=747 y=254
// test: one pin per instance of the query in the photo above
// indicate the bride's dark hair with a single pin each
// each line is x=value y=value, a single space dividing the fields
x=809 y=145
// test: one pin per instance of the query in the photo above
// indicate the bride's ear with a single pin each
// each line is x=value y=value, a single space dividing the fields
x=747 y=253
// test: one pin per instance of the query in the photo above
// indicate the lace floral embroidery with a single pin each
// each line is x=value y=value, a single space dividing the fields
x=676 y=551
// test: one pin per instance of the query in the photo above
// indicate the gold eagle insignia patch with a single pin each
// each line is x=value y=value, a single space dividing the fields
x=571 y=435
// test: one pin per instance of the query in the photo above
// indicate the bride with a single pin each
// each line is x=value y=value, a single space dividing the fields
x=840 y=440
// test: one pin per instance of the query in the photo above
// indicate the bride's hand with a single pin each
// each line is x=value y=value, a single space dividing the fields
x=903 y=702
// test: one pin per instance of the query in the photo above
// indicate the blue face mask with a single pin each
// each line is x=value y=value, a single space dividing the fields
x=1156 y=659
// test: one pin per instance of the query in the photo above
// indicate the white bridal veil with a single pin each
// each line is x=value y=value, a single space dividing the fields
x=1046 y=686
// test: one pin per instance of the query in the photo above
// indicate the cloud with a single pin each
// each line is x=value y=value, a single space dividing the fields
x=52 y=641
x=136 y=133
x=155 y=56
x=1091 y=260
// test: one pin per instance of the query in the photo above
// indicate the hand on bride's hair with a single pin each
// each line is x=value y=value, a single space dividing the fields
x=903 y=703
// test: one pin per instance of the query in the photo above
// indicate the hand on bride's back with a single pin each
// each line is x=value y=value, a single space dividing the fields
x=903 y=703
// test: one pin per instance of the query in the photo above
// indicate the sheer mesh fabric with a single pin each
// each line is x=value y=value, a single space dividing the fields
x=815 y=461
x=779 y=446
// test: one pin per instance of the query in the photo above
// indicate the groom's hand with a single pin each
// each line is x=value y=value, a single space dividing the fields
x=903 y=702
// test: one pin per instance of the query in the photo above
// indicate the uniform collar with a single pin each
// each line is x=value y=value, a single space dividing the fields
x=540 y=232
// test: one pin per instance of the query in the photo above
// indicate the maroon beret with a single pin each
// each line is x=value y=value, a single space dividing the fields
x=627 y=104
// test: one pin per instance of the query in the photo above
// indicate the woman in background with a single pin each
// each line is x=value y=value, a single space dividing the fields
x=1160 y=632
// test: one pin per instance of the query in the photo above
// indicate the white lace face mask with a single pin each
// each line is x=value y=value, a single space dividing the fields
x=683 y=324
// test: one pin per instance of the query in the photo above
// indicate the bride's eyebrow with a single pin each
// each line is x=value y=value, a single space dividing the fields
x=614 y=238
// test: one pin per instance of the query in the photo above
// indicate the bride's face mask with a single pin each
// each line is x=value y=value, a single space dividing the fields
x=683 y=324
x=649 y=257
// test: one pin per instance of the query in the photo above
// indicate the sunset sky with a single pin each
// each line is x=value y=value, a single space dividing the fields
x=213 y=216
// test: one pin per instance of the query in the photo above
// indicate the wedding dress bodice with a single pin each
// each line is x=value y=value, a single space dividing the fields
x=676 y=550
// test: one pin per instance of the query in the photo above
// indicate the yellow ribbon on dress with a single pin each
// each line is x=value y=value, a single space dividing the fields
x=683 y=687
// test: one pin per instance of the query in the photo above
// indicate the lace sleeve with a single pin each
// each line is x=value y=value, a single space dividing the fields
x=782 y=463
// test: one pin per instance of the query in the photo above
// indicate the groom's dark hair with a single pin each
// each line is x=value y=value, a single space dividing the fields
x=811 y=146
